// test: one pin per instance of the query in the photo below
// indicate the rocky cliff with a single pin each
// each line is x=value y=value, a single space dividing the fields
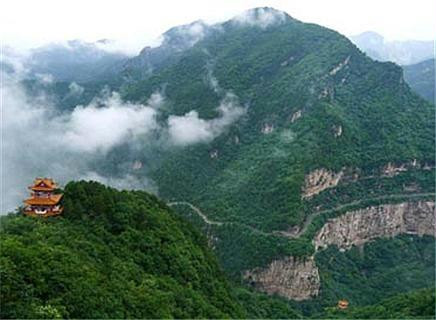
x=363 y=225
x=296 y=279
x=319 y=180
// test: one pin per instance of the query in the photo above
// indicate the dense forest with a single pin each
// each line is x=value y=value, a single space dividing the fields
x=119 y=254
x=111 y=254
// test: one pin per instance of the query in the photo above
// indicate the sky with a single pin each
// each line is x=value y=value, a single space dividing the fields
x=135 y=23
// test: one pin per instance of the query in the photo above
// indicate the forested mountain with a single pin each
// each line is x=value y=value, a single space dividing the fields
x=308 y=166
x=421 y=78
x=75 y=60
x=127 y=255
x=326 y=131
x=400 y=52
x=110 y=255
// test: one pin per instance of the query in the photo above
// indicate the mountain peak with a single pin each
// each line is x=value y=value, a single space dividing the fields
x=262 y=17
x=185 y=36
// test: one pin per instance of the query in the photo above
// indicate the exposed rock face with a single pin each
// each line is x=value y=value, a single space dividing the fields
x=319 y=180
x=339 y=66
x=298 y=279
x=391 y=170
x=213 y=154
x=388 y=220
x=137 y=165
x=291 y=278
x=337 y=131
x=296 y=116
x=267 y=128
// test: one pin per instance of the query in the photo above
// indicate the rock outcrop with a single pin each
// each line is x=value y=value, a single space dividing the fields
x=298 y=279
x=293 y=278
x=388 y=220
x=339 y=66
x=319 y=180
x=267 y=128
x=295 y=116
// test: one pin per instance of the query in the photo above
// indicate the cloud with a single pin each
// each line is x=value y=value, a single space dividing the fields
x=185 y=36
x=38 y=141
x=75 y=89
x=156 y=100
x=126 y=182
x=44 y=78
x=106 y=123
x=190 y=129
x=261 y=17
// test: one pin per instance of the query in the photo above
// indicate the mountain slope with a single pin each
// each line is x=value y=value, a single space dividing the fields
x=414 y=305
x=400 y=52
x=326 y=130
x=421 y=78
x=110 y=255
x=291 y=148
x=75 y=61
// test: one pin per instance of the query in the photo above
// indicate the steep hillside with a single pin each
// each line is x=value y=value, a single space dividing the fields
x=421 y=78
x=110 y=255
x=325 y=131
x=418 y=304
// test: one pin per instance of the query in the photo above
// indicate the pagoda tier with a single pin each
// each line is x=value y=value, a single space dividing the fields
x=43 y=201
x=43 y=184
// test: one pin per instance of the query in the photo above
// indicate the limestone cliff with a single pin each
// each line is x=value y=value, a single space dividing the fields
x=388 y=220
x=319 y=180
x=296 y=279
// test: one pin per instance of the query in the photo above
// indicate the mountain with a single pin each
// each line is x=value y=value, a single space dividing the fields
x=126 y=254
x=327 y=138
x=400 y=52
x=421 y=78
x=307 y=165
x=110 y=255
x=75 y=60
x=174 y=42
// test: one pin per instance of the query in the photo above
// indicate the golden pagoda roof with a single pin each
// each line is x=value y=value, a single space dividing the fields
x=343 y=304
x=43 y=184
x=49 y=201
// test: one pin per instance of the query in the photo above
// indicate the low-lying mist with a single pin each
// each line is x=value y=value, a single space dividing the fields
x=40 y=140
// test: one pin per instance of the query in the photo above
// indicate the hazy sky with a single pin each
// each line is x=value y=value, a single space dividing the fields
x=136 y=23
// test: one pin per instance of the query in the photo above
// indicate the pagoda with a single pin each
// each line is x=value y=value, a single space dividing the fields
x=43 y=202
x=343 y=304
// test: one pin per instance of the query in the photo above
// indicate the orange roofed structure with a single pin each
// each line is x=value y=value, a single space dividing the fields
x=43 y=202
x=343 y=304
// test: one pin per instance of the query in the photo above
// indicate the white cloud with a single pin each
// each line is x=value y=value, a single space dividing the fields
x=190 y=129
x=37 y=141
x=156 y=100
x=44 y=78
x=75 y=89
x=127 y=182
x=261 y=17
x=95 y=128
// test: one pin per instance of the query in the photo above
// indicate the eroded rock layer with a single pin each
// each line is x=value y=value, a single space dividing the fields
x=296 y=279
x=319 y=180
x=388 y=220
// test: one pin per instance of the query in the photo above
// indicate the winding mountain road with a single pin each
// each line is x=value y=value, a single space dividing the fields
x=298 y=232
x=196 y=210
